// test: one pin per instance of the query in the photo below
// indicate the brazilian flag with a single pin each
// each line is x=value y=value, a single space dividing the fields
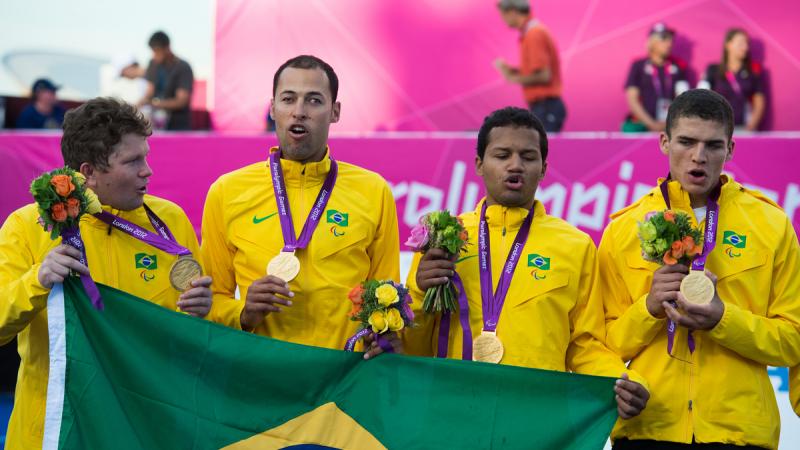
x=539 y=261
x=145 y=261
x=139 y=376
x=734 y=239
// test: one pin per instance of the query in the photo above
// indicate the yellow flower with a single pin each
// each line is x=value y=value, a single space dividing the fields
x=92 y=202
x=386 y=294
x=378 y=322
x=394 y=319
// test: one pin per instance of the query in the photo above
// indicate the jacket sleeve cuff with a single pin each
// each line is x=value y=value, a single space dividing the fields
x=722 y=330
x=640 y=314
x=36 y=292
x=637 y=378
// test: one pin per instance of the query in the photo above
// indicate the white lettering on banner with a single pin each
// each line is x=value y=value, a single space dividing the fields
x=597 y=194
x=456 y=182
x=416 y=193
x=554 y=197
x=423 y=198
x=621 y=191
x=470 y=197
x=585 y=206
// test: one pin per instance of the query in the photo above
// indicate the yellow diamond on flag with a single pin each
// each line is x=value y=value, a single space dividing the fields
x=326 y=425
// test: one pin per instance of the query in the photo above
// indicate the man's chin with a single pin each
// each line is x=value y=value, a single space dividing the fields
x=513 y=199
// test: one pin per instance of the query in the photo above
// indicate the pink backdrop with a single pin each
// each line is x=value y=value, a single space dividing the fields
x=587 y=178
x=428 y=65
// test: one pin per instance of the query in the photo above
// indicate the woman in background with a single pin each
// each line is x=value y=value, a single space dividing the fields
x=739 y=80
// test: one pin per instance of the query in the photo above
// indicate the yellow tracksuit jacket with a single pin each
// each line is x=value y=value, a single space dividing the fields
x=546 y=321
x=115 y=259
x=357 y=239
x=721 y=393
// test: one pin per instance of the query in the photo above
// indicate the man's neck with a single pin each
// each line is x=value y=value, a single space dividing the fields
x=316 y=157
x=698 y=201
x=491 y=201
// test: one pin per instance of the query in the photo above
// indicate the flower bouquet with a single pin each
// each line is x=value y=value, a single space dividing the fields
x=62 y=200
x=380 y=307
x=439 y=229
x=668 y=237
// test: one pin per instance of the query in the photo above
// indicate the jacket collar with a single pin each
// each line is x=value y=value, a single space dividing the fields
x=296 y=173
x=679 y=198
x=507 y=216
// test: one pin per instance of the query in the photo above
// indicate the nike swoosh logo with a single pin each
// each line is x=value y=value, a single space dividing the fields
x=258 y=220
x=465 y=258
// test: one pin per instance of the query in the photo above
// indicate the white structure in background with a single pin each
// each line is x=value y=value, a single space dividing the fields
x=121 y=78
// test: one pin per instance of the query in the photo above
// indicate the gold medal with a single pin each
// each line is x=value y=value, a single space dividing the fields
x=285 y=266
x=487 y=347
x=183 y=271
x=697 y=288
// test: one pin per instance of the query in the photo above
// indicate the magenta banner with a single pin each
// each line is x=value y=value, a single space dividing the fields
x=427 y=65
x=588 y=177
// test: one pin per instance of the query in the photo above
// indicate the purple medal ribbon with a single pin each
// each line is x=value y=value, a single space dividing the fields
x=382 y=342
x=290 y=241
x=493 y=301
x=709 y=242
x=72 y=237
x=164 y=241
x=463 y=318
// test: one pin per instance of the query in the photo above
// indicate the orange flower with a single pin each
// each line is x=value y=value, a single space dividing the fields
x=677 y=249
x=63 y=184
x=356 y=310
x=690 y=247
x=669 y=216
x=669 y=260
x=73 y=207
x=59 y=213
x=355 y=296
x=463 y=235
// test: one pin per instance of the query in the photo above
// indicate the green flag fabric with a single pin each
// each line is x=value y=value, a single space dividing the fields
x=138 y=376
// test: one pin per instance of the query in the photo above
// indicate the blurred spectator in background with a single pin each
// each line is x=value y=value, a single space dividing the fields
x=653 y=82
x=169 y=86
x=123 y=79
x=44 y=110
x=739 y=80
x=539 y=70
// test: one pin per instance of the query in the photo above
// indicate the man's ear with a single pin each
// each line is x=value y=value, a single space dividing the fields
x=88 y=171
x=335 y=112
x=663 y=142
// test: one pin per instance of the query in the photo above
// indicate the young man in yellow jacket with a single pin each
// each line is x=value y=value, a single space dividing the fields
x=533 y=296
x=709 y=363
x=321 y=225
x=106 y=141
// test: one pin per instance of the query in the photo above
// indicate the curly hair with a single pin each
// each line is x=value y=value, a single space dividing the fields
x=511 y=116
x=92 y=130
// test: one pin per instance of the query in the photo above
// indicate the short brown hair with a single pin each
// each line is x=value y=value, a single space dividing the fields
x=309 y=62
x=92 y=130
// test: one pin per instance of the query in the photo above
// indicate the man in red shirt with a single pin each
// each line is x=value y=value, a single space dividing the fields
x=539 y=71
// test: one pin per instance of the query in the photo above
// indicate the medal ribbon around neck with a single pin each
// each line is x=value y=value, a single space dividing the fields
x=709 y=242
